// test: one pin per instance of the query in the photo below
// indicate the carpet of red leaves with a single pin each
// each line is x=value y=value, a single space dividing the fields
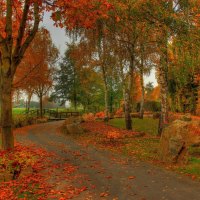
x=34 y=171
x=101 y=127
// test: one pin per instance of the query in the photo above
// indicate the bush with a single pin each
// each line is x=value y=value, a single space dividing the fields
x=100 y=115
x=88 y=117
x=119 y=113
x=152 y=106
x=22 y=120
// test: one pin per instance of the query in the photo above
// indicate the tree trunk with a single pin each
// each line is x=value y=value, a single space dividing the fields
x=127 y=97
x=106 y=95
x=6 y=112
x=106 y=102
x=127 y=109
x=164 y=100
x=41 y=106
x=163 y=81
x=29 y=101
x=143 y=93
x=111 y=101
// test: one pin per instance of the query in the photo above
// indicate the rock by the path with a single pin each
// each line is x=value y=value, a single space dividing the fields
x=176 y=140
x=72 y=126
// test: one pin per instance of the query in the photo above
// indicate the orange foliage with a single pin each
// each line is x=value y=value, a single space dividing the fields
x=88 y=117
x=119 y=113
x=113 y=135
x=34 y=69
x=155 y=94
x=137 y=89
x=100 y=115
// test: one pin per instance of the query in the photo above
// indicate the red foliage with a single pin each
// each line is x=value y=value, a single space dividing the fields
x=113 y=135
x=100 y=115
x=88 y=117
x=109 y=131
x=14 y=162
x=119 y=113
x=36 y=183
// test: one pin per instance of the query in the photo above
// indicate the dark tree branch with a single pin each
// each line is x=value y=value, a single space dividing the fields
x=28 y=40
x=22 y=27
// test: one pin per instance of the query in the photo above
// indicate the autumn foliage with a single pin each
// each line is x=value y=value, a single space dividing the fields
x=88 y=117
x=100 y=115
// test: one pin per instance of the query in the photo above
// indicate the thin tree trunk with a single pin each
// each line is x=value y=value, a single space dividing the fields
x=106 y=101
x=29 y=101
x=164 y=100
x=41 y=106
x=143 y=93
x=127 y=109
x=163 y=81
x=111 y=101
x=127 y=97
x=106 y=96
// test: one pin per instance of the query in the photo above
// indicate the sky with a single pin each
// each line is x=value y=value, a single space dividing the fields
x=59 y=39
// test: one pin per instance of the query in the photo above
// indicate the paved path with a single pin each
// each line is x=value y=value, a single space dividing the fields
x=112 y=174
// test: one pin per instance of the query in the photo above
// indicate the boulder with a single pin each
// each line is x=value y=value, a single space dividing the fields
x=72 y=126
x=176 y=140
x=72 y=120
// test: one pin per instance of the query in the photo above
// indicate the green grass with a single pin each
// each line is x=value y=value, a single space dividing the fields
x=192 y=168
x=147 y=125
x=18 y=111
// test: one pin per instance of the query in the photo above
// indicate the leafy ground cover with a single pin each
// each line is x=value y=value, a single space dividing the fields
x=26 y=173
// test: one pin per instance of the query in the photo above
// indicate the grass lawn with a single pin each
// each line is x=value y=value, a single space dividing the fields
x=18 y=111
x=147 y=125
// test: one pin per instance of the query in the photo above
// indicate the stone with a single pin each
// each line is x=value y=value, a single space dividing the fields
x=74 y=129
x=72 y=126
x=176 y=140
x=72 y=120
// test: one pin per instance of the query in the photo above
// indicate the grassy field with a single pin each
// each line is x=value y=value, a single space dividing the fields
x=147 y=125
x=18 y=111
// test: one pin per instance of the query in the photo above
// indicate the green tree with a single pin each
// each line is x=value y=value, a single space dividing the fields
x=67 y=84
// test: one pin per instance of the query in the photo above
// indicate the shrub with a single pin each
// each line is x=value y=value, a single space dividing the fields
x=100 y=115
x=88 y=117
x=153 y=106
x=119 y=113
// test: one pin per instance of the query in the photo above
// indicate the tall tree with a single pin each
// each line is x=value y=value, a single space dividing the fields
x=67 y=84
x=19 y=22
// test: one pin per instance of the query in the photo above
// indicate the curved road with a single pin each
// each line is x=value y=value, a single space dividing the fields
x=113 y=176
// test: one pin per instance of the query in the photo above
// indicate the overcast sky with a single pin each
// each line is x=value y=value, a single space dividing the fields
x=59 y=38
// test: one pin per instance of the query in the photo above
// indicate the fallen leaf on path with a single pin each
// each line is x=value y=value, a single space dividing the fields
x=131 y=177
x=104 y=194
